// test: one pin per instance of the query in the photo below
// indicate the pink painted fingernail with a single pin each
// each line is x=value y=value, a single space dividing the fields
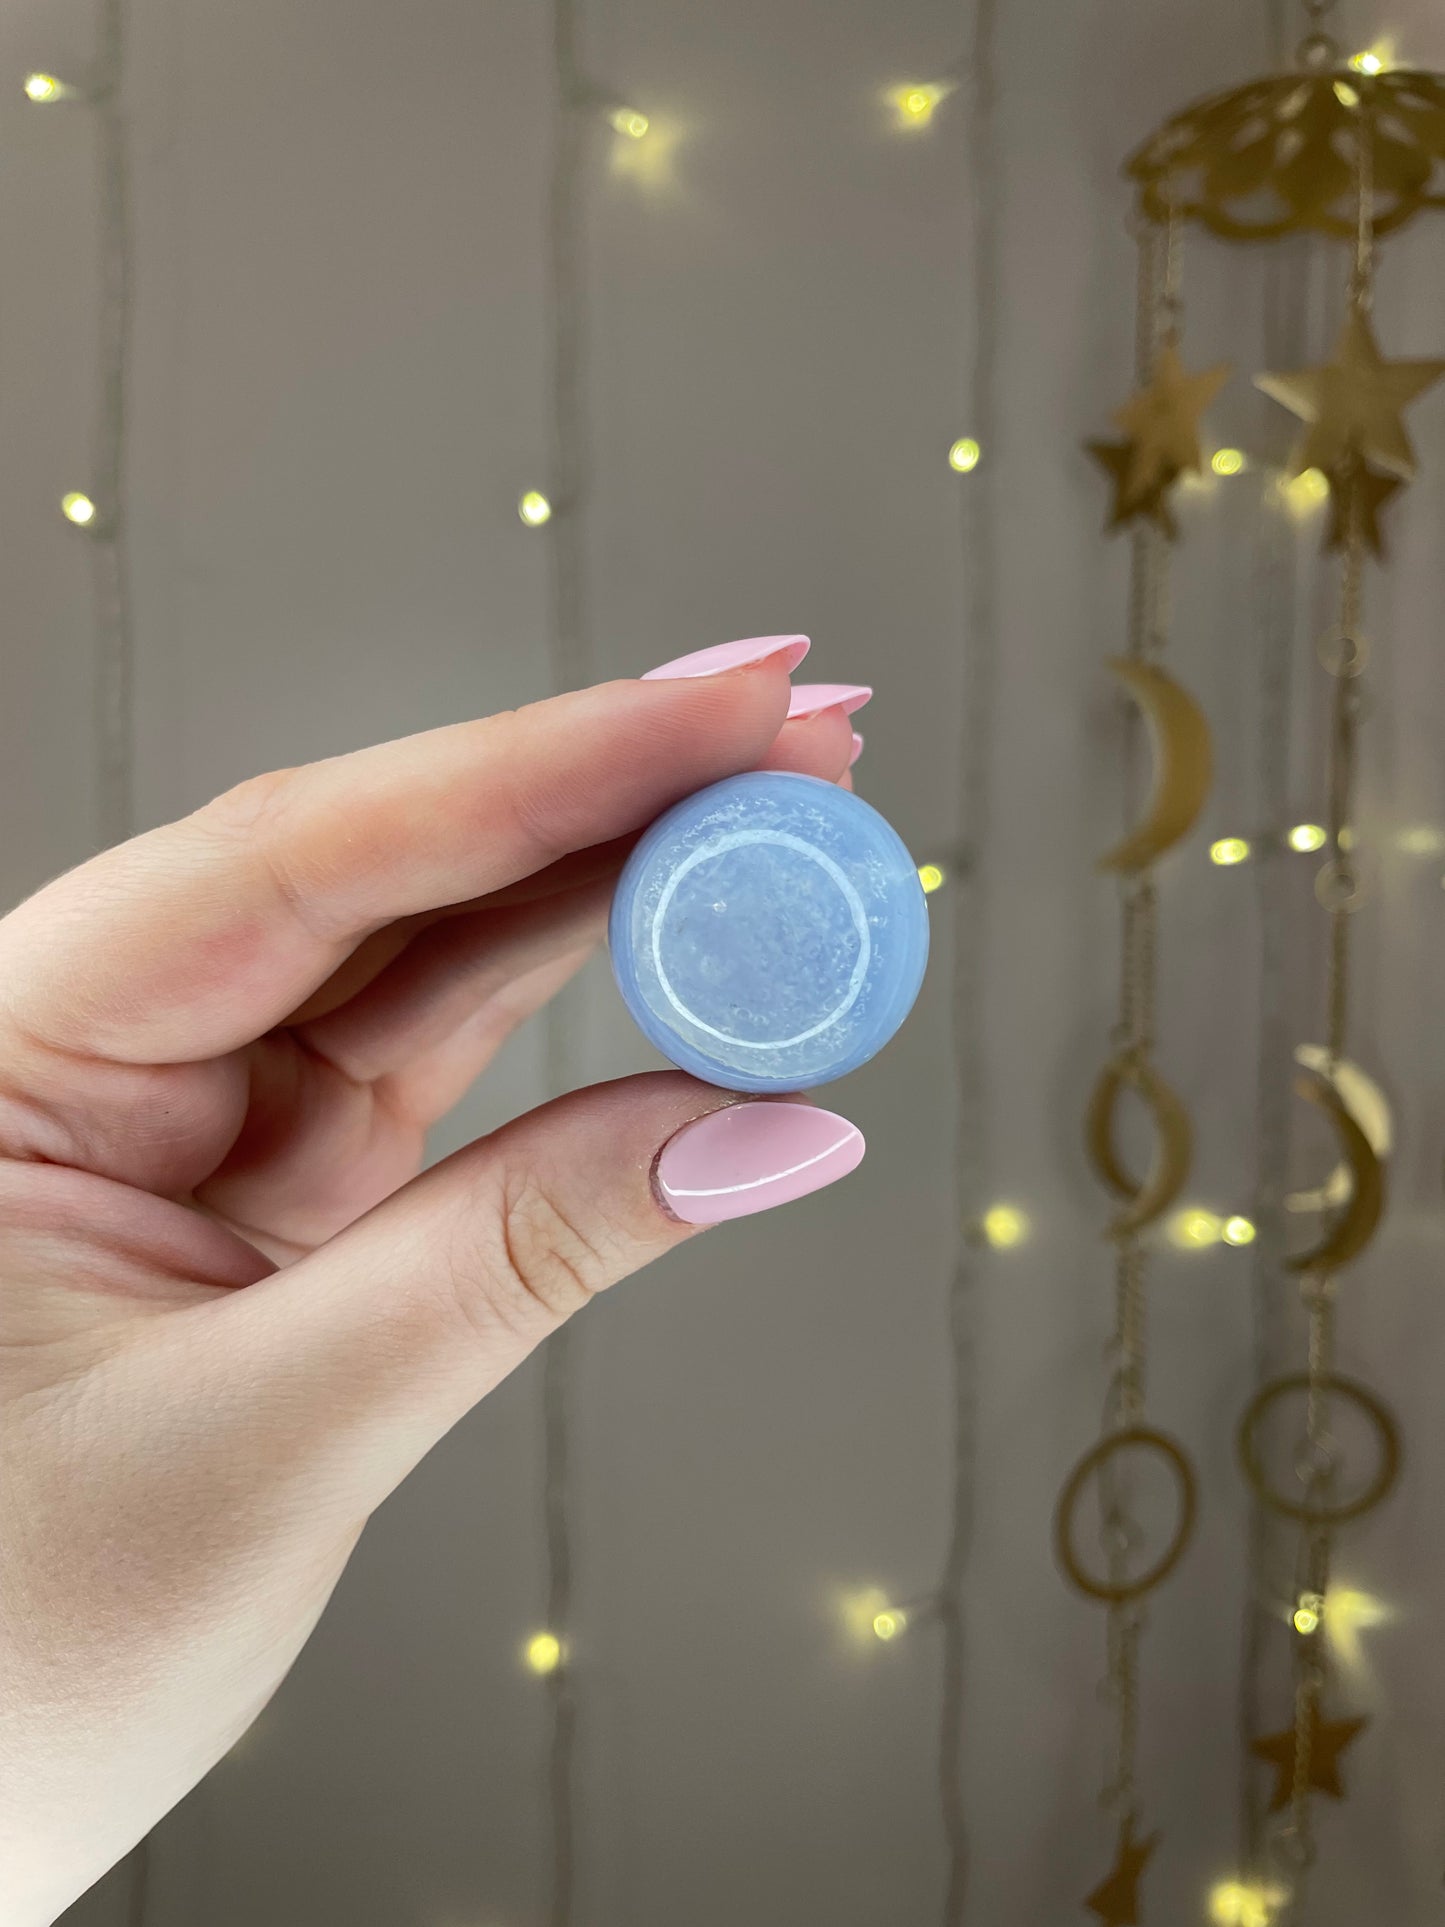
x=723 y=656
x=857 y=749
x=812 y=698
x=752 y=1156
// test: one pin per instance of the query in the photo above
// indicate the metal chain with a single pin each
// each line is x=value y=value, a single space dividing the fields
x=1338 y=890
x=1158 y=310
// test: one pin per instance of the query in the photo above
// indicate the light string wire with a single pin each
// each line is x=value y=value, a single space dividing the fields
x=110 y=565
x=1286 y=292
x=570 y=662
x=115 y=639
x=1276 y=605
x=970 y=931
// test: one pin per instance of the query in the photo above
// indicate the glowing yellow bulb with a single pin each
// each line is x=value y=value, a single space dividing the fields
x=1308 y=1613
x=543 y=1653
x=931 y=877
x=964 y=454
x=1368 y=62
x=534 y=508
x=889 y=1624
x=78 y=508
x=1192 y=1230
x=628 y=121
x=1229 y=849
x=1238 y=1231
x=1307 y=836
x=1422 y=840
x=1004 y=1226
x=915 y=103
x=1307 y=489
x=1227 y=461
x=1239 y=1903
x=44 y=87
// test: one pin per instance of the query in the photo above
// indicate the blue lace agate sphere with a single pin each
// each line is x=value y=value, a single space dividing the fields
x=769 y=933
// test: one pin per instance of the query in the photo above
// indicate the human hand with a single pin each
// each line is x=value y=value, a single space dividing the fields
x=232 y=1317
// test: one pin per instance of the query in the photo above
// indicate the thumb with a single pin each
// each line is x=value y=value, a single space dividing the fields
x=367 y=1351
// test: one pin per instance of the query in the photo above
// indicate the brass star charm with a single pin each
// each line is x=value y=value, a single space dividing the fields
x=1353 y=404
x=1162 y=420
x=1116 y=1899
x=1357 y=490
x=1147 y=504
x=1328 y=1740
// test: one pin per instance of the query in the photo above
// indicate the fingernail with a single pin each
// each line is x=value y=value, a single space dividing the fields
x=724 y=656
x=812 y=698
x=857 y=749
x=753 y=1156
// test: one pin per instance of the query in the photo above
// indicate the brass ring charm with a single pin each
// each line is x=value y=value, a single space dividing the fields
x=1150 y=1198
x=1354 y=1394
x=1146 y=1438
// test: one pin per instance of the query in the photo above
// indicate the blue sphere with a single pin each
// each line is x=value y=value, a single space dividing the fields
x=769 y=933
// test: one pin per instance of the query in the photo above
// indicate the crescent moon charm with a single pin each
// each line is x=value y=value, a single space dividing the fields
x=1151 y=1197
x=1366 y=1103
x=1353 y=1229
x=1184 y=764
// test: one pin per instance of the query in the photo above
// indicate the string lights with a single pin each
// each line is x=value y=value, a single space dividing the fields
x=971 y=924
x=98 y=511
x=549 y=1651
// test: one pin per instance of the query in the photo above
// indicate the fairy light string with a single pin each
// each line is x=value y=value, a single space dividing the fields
x=1275 y=607
x=97 y=511
x=970 y=930
x=569 y=655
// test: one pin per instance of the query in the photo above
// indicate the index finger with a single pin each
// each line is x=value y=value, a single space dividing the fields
x=194 y=939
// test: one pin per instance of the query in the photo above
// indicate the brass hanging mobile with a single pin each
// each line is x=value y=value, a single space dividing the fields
x=1352 y=151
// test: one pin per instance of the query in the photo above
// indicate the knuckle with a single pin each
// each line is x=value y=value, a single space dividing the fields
x=535 y=1267
x=247 y=806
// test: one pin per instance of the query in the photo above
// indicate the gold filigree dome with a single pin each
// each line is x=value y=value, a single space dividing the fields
x=1277 y=155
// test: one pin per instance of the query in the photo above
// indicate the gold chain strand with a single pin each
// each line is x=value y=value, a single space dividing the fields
x=1338 y=890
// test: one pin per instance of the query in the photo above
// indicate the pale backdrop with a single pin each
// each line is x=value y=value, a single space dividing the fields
x=339 y=387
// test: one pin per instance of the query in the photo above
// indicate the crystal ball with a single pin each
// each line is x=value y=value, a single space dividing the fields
x=769 y=933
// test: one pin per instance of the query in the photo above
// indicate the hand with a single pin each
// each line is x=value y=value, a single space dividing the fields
x=232 y=1317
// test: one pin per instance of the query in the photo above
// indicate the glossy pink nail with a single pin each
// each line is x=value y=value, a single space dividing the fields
x=753 y=1156
x=723 y=656
x=812 y=698
x=857 y=749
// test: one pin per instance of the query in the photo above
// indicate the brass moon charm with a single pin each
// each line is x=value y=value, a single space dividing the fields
x=1184 y=765
x=1354 y=1394
x=1366 y=1104
x=1150 y=1198
x=1355 y=1225
x=1143 y=1438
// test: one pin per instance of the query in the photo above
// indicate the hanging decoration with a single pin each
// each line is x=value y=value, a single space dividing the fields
x=1350 y=150
x=1159 y=425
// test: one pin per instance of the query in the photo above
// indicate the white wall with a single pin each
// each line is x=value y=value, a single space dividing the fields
x=339 y=387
